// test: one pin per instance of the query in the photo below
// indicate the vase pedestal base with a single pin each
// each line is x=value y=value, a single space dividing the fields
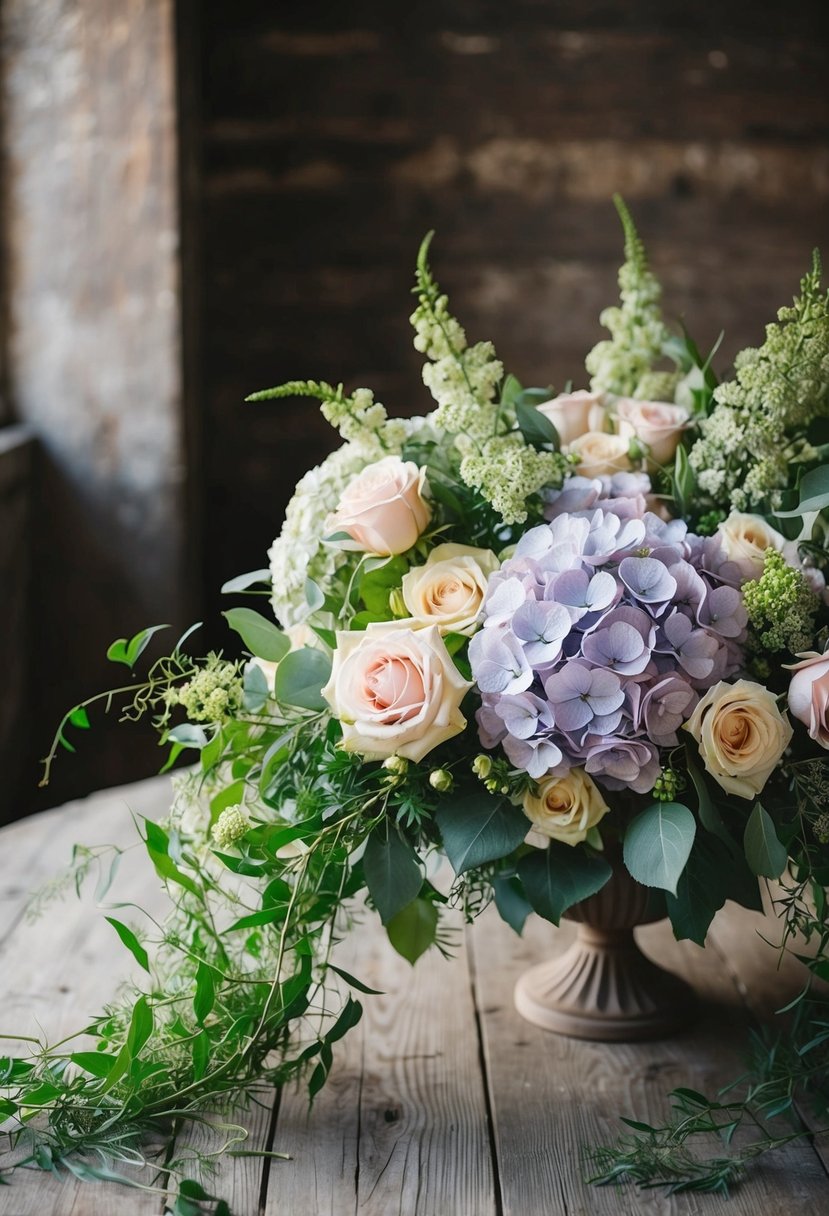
x=603 y=987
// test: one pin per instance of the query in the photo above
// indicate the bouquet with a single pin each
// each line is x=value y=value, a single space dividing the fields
x=543 y=635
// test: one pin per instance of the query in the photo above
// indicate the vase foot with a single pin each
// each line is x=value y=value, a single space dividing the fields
x=603 y=991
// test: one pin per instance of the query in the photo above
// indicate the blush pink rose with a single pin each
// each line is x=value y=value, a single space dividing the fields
x=570 y=413
x=656 y=424
x=396 y=691
x=383 y=509
x=809 y=695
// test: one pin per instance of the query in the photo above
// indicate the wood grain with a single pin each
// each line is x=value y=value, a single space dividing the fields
x=403 y=1123
x=551 y=1095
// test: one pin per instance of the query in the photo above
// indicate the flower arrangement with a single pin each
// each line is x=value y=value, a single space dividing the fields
x=525 y=632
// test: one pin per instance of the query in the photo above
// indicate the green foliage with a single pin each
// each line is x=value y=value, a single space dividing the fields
x=478 y=827
x=413 y=929
x=260 y=635
x=764 y=852
x=392 y=871
x=557 y=877
x=300 y=678
x=658 y=843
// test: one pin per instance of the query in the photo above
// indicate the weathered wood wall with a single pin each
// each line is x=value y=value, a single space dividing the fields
x=93 y=345
x=16 y=744
x=334 y=136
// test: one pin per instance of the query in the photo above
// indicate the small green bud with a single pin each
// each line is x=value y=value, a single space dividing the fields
x=441 y=780
x=482 y=766
x=398 y=765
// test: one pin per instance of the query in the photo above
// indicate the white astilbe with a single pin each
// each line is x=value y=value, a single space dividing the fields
x=620 y=364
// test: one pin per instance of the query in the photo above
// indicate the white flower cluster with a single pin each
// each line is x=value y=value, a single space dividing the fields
x=461 y=378
x=364 y=422
x=743 y=456
x=507 y=471
x=618 y=365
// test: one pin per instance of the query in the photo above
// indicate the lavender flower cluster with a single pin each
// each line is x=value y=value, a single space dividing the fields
x=599 y=634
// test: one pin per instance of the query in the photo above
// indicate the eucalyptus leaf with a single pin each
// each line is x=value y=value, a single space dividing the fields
x=261 y=636
x=658 y=843
x=814 y=493
x=536 y=428
x=478 y=827
x=242 y=581
x=300 y=678
x=765 y=854
x=556 y=878
x=392 y=871
x=510 y=901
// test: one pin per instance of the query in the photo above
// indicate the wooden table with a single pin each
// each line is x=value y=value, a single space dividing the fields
x=443 y=1102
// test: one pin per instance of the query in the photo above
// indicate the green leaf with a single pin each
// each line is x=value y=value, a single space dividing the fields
x=141 y=1026
x=536 y=428
x=765 y=854
x=392 y=871
x=200 y=1053
x=814 y=493
x=261 y=636
x=205 y=997
x=510 y=902
x=256 y=688
x=314 y=595
x=131 y=942
x=477 y=827
x=353 y=982
x=376 y=585
x=702 y=889
x=98 y=1063
x=560 y=876
x=709 y=816
x=187 y=734
x=158 y=848
x=300 y=678
x=7 y=1108
x=658 y=843
x=412 y=931
x=242 y=581
x=511 y=389
x=78 y=717
x=129 y=652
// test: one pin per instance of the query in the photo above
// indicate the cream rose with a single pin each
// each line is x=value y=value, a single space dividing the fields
x=656 y=424
x=383 y=508
x=745 y=539
x=395 y=691
x=741 y=735
x=809 y=695
x=570 y=413
x=567 y=807
x=449 y=589
x=600 y=453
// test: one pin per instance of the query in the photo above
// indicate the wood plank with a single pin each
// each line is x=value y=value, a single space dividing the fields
x=551 y=1096
x=402 y=1126
x=62 y=969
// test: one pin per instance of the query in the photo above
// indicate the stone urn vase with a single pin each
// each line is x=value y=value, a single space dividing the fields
x=603 y=987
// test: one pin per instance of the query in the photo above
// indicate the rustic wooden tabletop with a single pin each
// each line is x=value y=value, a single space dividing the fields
x=443 y=1102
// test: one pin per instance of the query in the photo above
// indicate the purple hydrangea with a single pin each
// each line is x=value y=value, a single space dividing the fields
x=600 y=633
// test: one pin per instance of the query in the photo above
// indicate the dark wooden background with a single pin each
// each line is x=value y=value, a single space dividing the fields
x=313 y=145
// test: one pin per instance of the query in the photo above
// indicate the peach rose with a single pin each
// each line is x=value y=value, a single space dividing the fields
x=570 y=413
x=566 y=808
x=383 y=509
x=395 y=691
x=809 y=695
x=741 y=735
x=449 y=590
x=656 y=424
x=600 y=453
x=745 y=539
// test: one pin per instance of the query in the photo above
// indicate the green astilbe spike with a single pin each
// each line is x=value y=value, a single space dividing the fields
x=624 y=362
